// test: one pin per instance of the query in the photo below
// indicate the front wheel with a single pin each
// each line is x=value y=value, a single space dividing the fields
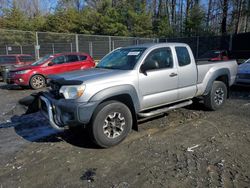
x=217 y=96
x=37 y=82
x=111 y=123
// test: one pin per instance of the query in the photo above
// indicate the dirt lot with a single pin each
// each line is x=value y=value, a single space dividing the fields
x=189 y=147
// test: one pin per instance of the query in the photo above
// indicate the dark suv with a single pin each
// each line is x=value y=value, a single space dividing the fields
x=14 y=60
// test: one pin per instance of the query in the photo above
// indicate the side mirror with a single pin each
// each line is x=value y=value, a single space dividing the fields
x=149 y=65
x=50 y=64
x=143 y=69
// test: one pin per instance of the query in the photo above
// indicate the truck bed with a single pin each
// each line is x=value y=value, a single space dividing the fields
x=204 y=67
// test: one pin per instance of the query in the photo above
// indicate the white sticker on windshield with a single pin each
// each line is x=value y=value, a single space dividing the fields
x=134 y=53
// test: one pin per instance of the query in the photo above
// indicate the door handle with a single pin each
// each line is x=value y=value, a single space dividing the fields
x=173 y=74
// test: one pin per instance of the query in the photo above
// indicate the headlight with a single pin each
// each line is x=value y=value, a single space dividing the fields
x=22 y=72
x=72 y=92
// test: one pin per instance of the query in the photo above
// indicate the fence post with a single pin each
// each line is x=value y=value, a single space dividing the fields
x=91 y=49
x=21 y=49
x=197 y=47
x=37 y=48
x=77 y=44
x=110 y=44
x=6 y=48
x=71 y=47
x=53 y=48
x=113 y=45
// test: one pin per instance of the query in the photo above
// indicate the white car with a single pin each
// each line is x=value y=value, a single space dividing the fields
x=243 y=76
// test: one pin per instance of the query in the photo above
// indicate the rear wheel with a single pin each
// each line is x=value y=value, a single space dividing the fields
x=111 y=123
x=217 y=96
x=37 y=82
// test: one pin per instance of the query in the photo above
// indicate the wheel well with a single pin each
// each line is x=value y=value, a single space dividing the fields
x=127 y=100
x=224 y=79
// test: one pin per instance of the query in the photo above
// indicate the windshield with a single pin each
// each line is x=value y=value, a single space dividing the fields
x=41 y=60
x=7 y=59
x=122 y=59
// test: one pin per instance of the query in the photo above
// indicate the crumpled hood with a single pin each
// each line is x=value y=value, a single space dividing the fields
x=86 y=75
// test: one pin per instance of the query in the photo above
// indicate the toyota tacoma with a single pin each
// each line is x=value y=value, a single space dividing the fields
x=131 y=83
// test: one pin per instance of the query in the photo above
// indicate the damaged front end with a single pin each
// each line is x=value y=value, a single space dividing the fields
x=59 y=111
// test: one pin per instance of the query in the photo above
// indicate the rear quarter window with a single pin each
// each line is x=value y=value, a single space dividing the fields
x=183 y=56
x=71 y=58
x=82 y=57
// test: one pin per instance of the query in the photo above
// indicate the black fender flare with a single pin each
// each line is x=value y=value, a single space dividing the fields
x=215 y=75
x=116 y=91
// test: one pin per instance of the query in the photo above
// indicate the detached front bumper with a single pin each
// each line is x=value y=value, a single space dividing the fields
x=63 y=113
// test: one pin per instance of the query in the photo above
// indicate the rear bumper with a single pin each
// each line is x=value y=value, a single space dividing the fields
x=63 y=113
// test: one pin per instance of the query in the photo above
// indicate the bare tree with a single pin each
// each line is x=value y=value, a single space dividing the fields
x=188 y=3
x=239 y=10
x=76 y=4
x=224 y=17
x=181 y=16
x=173 y=12
x=247 y=16
x=209 y=12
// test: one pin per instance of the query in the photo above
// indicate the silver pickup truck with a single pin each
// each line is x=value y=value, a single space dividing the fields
x=131 y=83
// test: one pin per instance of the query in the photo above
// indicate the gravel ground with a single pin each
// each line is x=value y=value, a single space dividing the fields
x=188 y=147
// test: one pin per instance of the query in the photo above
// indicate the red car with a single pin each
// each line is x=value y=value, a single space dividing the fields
x=35 y=75
x=16 y=59
x=215 y=55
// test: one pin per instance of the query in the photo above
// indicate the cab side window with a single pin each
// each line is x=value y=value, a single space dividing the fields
x=58 y=60
x=159 y=59
x=182 y=56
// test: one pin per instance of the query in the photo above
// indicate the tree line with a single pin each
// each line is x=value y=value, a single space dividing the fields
x=139 y=18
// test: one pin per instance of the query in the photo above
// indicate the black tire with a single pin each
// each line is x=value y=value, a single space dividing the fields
x=217 y=96
x=110 y=119
x=37 y=82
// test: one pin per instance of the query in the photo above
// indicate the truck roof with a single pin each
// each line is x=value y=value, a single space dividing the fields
x=149 y=45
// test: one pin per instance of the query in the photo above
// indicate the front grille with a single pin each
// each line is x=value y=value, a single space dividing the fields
x=55 y=88
x=244 y=76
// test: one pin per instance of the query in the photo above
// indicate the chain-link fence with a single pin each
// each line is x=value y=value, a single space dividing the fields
x=39 y=44
x=17 y=42
x=201 y=45
x=237 y=45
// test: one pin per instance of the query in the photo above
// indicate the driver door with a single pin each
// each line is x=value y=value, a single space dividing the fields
x=56 y=67
x=159 y=83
